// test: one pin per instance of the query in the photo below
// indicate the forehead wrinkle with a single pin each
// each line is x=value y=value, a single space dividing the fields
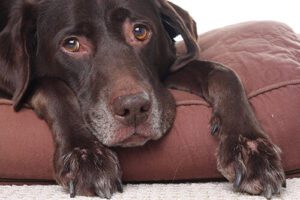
x=72 y=12
x=68 y=12
x=145 y=8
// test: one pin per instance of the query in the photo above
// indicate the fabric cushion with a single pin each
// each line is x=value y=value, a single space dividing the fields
x=266 y=56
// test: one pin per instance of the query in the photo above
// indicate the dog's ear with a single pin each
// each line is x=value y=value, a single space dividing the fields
x=187 y=19
x=16 y=49
x=178 y=22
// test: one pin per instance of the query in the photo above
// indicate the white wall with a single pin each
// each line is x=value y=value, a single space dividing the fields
x=211 y=14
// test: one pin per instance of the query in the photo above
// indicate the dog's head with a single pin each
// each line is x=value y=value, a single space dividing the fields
x=114 y=56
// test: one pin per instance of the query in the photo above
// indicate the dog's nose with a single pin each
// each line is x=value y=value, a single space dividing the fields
x=132 y=109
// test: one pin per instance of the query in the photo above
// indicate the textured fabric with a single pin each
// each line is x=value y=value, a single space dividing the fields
x=265 y=55
x=188 y=191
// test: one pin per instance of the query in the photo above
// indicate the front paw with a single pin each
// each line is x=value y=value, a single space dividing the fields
x=88 y=171
x=253 y=165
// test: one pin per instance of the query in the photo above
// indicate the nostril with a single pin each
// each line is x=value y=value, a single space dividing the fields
x=121 y=112
x=145 y=108
x=126 y=112
x=132 y=109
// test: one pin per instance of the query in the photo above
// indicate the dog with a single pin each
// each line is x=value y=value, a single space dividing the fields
x=98 y=73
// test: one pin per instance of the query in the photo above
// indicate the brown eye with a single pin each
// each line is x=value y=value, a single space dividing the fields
x=71 y=44
x=141 y=32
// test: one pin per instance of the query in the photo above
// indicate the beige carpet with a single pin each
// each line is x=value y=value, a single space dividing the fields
x=195 y=191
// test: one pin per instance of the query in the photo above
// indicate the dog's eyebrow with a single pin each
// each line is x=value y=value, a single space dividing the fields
x=118 y=14
x=121 y=13
x=83 y=28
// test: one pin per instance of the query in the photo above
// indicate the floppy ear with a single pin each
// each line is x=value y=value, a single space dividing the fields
x=16 y=50
x=187 y=19
x=178 y=22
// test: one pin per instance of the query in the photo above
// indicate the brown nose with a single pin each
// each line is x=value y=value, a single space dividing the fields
x=132 y=109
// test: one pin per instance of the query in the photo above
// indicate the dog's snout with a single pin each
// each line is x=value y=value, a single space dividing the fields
x=132 y=109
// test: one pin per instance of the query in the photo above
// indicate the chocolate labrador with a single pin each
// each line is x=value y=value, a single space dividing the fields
x=97 y=72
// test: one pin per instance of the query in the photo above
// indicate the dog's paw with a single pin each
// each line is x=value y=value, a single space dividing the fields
x=89 y=171
x=253 y=165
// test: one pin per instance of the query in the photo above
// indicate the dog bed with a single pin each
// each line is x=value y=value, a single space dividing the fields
x=265 y=55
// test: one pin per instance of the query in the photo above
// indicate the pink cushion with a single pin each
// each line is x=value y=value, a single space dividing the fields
x=266 y=56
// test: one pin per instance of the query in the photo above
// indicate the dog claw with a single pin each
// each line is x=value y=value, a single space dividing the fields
x=214 y=129
x=103 y=193
x=268 y=192
x=100 y=194
x=108 y=194
x=238 y=178
x=119 y=186
x=239 y=172
x=284 y=184
x=277 y=190
x=72 y=189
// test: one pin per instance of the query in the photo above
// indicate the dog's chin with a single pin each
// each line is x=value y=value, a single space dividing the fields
x=134 y=141
x=132 y=137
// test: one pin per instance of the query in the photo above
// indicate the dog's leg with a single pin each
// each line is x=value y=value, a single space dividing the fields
x=82 y=165
x=245 y=155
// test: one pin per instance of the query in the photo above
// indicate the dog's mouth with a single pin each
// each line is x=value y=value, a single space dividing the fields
x=134 y=140
x=112 y=129
x=133 y=136
x=113 y=135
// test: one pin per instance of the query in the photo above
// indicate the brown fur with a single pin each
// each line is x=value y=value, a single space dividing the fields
x=113 y=91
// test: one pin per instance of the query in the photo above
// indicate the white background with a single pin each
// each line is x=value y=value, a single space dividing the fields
x=210 y=14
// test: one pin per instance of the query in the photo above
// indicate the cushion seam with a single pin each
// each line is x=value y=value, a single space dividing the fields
x=272 y=87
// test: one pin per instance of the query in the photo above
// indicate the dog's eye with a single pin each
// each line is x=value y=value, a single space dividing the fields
x=71 y=44
x=141 y=32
